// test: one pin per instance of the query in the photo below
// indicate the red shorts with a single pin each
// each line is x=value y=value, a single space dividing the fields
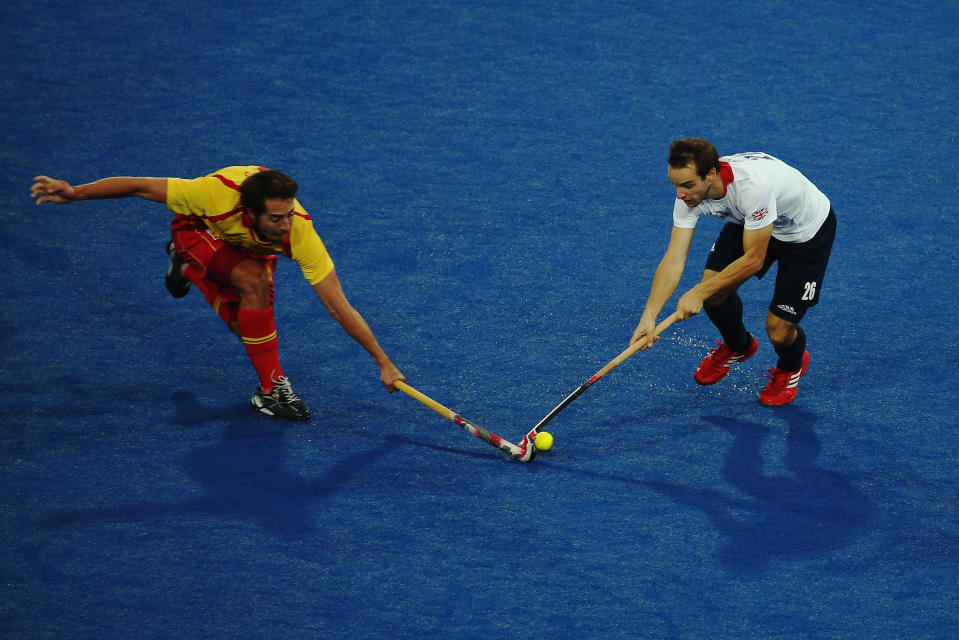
x=209 y=263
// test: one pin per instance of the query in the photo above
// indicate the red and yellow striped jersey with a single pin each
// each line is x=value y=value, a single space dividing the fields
x=213 y=201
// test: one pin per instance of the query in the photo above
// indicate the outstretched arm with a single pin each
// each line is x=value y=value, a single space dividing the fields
x=665 y=281
x=46 y=189
x=334 y=299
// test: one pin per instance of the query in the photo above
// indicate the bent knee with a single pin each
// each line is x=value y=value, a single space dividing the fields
x=252 y=280
x=779 y=330
x=719 y=297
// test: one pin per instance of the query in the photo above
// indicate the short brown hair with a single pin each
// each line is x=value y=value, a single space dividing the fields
x=269 y=184
x=700 y=152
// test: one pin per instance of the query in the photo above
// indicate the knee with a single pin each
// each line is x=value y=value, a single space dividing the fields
x=251 y=279
x=719 y=298
x=781 y=332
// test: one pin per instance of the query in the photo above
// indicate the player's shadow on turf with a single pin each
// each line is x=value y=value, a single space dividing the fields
x=190 y=413
x=810 y=511
x=245 y=479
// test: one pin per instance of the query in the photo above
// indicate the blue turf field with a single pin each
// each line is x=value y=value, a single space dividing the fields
x=489 y=177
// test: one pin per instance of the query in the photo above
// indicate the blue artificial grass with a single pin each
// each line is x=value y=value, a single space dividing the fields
x=490 y=180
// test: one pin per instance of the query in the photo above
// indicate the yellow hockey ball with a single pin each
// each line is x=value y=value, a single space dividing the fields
x=544 y=441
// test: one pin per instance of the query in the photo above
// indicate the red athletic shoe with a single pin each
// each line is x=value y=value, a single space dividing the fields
x=781 y=388
x=715 y=365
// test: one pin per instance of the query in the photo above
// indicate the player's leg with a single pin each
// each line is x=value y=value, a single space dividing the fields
x=239 y=287
x=725 y=311
x=251 y=277
x=799 y=280
x=787 y=338
x=252 y=282
x=195 y=249
x=789 y=341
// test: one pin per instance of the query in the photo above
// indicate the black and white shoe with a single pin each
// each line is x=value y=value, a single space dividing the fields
x=176 y=284
x=281 y=402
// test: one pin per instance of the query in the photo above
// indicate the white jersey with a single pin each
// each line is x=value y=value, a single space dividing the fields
x=761 y=191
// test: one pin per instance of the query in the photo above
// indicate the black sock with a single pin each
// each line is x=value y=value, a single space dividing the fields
x=790 y=358
x=728 y=318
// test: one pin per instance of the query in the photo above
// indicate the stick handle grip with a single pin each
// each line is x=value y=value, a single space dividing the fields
x=636 y=346
x=425 y=399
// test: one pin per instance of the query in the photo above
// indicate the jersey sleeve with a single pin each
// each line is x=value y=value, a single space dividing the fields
x=758 y=207
x=190 y=197
x=683 y=216
x=308 y=250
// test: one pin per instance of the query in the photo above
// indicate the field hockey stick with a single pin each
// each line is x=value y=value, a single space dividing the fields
x=615 y=362
x=525 y=454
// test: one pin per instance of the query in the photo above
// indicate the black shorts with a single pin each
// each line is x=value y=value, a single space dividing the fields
x=802 y=266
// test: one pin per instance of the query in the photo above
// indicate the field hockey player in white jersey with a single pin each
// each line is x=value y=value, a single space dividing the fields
x=773 y=214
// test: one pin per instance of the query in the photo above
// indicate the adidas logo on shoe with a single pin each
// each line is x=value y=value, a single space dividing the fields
x=715 y=365
x=783 y=385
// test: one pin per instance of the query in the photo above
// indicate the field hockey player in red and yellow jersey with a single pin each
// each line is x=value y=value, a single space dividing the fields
x=228 y=230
